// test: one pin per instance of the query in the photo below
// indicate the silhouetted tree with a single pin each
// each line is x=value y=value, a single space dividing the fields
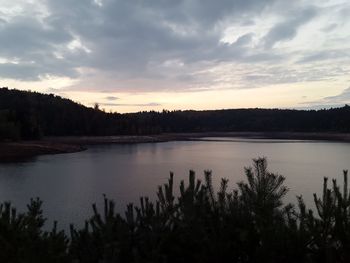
x=246 y=224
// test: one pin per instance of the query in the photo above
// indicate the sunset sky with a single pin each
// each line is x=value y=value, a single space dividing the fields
x=134 y=55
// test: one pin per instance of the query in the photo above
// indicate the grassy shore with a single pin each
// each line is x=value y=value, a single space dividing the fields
x=18 y=151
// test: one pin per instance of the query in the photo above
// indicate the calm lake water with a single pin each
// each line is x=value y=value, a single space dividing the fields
x=70 y=183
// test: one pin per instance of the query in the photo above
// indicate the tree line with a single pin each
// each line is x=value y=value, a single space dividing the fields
x=247 y=224
x=31 y=115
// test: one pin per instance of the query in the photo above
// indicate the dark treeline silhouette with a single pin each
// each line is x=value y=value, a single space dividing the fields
x=31 y=115
x=247 y=224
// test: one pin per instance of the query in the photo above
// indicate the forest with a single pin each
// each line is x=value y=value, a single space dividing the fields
x=31 y=115
x=249 y=223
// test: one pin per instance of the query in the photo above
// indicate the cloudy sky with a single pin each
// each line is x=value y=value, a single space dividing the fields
x=132 y=55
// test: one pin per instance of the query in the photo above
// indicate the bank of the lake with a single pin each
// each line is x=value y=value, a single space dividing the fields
x=18 y=151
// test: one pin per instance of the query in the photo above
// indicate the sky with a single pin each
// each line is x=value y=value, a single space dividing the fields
x=137 y=55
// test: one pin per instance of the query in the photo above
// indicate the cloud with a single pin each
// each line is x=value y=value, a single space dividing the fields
x=122 y=37
x=111 y=98
x=288 y=29
x=331 y=101
x=329 y=28
x=138 y=46
x=325 y=55
x=52 y=90
x=343 y=97
x=151 y=104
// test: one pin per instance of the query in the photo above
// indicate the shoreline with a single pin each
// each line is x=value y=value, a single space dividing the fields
x=26 y=150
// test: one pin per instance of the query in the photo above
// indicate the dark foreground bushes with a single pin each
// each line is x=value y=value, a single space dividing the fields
x=248 y=224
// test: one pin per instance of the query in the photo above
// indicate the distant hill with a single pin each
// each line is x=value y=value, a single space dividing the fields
x=31 y=115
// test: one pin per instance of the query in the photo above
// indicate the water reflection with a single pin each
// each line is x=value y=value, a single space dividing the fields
x=70 y=183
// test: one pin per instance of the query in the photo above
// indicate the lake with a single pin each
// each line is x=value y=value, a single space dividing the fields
x=69 y=183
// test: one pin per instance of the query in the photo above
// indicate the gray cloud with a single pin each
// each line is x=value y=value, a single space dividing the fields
x=331 y=101
x=111 y=98
x=32 y=45
x=165 y=45
x=292 y=74
x=343 y=97
x=151 y=104
x=123 y=36
x=325 y=55
x=52 y=90
x=330 y=27
x=288 y=29
x=244 y=40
